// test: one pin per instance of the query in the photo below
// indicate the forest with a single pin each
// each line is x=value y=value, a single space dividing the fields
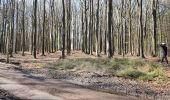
x=110 y=27
x=110 y=47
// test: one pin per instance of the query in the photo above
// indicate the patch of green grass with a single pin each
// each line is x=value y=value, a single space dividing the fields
x=138 y=62
x=64 y=64
x=150 y=76
x=121 y=61
x=134 y=69
x=130 y=73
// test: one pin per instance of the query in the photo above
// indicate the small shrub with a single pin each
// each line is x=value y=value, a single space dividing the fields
x=123 y=61
x=138 y=63
x=156 y=73
x=146 y=78
x=116 y=67
x=153 y=65
x=153 y=75
x=131 y=73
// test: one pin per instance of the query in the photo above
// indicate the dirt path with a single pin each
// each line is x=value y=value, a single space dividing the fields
x=33 y=87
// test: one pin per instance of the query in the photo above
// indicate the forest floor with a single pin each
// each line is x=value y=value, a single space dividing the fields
x=50 y=77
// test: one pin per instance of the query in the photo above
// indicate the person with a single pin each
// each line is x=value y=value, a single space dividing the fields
x=164 y=53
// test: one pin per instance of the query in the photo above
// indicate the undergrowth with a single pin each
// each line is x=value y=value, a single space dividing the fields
x=134 y=69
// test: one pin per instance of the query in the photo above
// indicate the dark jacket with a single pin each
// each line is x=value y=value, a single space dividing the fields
x=164 y=51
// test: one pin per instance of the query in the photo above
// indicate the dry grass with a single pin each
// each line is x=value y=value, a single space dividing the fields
x=134 y=69
x=130 y=67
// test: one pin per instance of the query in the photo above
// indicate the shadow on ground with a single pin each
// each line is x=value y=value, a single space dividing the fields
x=5 y=95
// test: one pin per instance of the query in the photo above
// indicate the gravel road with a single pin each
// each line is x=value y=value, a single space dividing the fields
x=37 y=86
x=109 y=84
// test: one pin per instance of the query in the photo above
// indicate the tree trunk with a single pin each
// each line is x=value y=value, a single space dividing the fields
x=130 y=28
x=69 y=29
x=86 y=20
x=44 y=26
x=63 y=33
x=23 y=27
x=97 y=29
x=140 y=3
x=82 y=31
x=35 y=28
x=109 y=45
x=105 y=38
x=12 y=28
x=154 y=13
x=7 y=27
